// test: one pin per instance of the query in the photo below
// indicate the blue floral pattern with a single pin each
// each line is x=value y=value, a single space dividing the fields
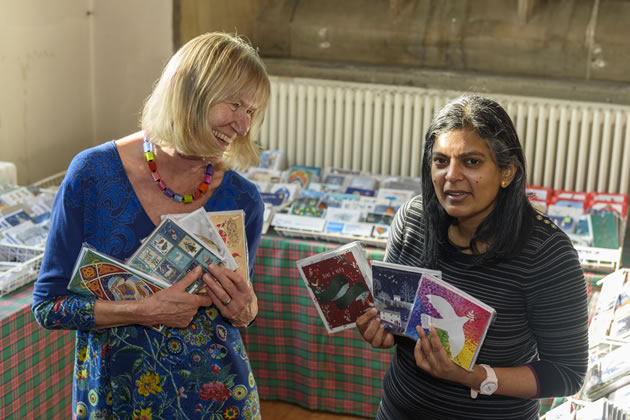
x=133 y=372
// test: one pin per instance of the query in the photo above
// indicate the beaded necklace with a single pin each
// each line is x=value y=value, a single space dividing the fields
x=185 y=198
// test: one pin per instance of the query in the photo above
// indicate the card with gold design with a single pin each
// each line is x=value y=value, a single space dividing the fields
x=231 y=227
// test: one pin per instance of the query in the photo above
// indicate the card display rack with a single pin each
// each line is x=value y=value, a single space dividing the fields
x=25 y=260
x=21 y=263
x=331 y=237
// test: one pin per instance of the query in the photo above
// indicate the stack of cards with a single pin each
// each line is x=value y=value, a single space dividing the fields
x=409 y=296
x=340 y=284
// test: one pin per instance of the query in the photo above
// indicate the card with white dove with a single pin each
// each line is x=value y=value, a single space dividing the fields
x=461 y=320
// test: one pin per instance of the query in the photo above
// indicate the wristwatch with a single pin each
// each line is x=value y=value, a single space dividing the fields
x=489 y=385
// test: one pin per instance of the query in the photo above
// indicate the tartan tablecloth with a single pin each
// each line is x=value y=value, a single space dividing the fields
x=35 y=364
x=293 y=357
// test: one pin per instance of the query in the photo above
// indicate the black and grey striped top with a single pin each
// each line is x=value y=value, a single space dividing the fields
x=540 y=299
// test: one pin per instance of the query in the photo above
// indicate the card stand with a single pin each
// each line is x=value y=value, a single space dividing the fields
x=28 y=260
x=603 y=260
x=51 y=182
x=575 y=404
x=331 y=237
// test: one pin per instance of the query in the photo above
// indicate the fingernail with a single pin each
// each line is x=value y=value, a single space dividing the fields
x=197 y=269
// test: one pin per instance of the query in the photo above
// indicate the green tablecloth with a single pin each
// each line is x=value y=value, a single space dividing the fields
x=293 y=357
x=35 y=364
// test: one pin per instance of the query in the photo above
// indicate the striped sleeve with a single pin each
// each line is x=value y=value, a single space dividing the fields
x=558 y=316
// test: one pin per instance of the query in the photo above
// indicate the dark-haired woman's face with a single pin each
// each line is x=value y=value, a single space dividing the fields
x=465 y=175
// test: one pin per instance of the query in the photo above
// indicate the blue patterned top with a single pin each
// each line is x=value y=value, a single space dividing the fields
x=201 y=371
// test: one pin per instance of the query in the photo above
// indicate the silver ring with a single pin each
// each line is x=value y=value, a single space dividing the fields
x=227 y=302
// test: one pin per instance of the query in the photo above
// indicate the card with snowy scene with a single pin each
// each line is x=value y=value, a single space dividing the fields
x=395 y=288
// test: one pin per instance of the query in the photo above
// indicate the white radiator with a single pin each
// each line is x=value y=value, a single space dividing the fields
x=380 y=129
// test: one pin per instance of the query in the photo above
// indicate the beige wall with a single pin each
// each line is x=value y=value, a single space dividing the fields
x=45 y=86
x=74 y=73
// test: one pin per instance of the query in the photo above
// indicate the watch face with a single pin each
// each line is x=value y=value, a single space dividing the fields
x=488 y=388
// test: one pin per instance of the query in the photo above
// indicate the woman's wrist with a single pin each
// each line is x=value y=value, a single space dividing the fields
x=247 y=315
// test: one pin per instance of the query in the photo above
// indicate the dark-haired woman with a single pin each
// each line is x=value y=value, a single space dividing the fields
x=475 y=224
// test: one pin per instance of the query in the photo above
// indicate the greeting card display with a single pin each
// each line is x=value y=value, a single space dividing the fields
x=170 y=252
x=461 y=320
x=395 y=287
x=339 y=282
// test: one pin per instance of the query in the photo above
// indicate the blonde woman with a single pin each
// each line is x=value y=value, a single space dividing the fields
x=197 y=126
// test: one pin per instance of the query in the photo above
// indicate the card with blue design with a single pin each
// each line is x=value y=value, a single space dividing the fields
x=171 y=251
x=339 y=283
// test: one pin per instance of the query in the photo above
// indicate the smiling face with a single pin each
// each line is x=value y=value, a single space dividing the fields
x=230 y=119
x=465 y=175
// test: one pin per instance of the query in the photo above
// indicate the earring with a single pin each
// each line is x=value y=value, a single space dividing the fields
x=504 y=184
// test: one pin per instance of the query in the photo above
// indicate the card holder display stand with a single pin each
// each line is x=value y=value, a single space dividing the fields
x=20 y=264
x=330 y=237
x=23 y=266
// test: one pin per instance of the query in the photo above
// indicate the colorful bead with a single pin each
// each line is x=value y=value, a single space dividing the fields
x=187 y=198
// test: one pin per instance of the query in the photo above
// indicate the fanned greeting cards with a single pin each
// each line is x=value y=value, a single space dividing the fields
x=170 y=252
x=339 y=282
x=395 y=287
x=106 y=278
x=198 y=223
x=231 y=227
x=461 y=320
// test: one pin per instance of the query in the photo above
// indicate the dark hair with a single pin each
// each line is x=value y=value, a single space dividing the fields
x=507 y=226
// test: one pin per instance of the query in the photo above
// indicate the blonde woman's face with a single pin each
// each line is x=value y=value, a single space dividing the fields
x=230 y=119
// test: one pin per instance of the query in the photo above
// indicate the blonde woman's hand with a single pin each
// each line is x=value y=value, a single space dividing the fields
x=233 y=295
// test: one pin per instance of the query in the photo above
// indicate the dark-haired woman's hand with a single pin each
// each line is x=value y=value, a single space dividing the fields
x=372 y=331
x=432 y=357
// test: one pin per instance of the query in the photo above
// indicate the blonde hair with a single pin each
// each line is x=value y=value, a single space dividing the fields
x=207 y=70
